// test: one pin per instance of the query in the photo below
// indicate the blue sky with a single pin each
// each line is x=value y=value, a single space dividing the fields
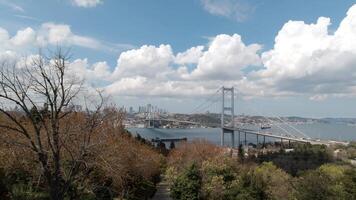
x=101 y=32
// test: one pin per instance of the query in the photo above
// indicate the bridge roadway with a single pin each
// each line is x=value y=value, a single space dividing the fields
x=173 y=120
x=271 y=135
x=254 y=132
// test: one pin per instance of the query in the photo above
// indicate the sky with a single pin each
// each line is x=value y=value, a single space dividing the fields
x=284 y=57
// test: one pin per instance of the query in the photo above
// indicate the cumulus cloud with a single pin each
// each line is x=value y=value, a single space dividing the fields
x=190 y=56
x=147 y=61
x=24 y=37
x=94 y=73
x=233 y=9
x=156 y=71
x=87 y=3
x=226 y=57
x=308 y=59
x=20 y=41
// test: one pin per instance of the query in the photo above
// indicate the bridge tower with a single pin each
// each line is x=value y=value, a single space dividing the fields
x=150 y=116
x=227 y=115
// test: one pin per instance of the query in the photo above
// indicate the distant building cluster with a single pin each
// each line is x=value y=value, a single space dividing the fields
x=149 y=108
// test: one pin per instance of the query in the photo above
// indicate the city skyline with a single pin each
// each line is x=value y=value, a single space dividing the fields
x=284 y=58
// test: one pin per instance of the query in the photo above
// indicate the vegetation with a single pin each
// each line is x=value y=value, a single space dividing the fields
x=49 y=149
x=217 y=175
x=304 y=157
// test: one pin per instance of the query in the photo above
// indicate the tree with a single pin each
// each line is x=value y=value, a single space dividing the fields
x=48 y=131
x=172 y=145
x=217 y=176
x=270 y=182
x=349 y=182
x=304 y=157
x=187 y=184
x=326 y=182
x=241 y=153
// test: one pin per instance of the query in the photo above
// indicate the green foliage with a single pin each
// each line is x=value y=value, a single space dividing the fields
x=270 y=182
x=187 y=184
x=349 y=182
x=225 y=178
x=326 y=182
x=304 y=157
x=217 y=175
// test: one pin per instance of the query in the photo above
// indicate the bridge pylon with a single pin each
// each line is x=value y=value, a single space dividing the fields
x=227 y=115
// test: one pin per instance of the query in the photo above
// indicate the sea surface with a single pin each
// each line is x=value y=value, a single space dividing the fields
x=327 y=131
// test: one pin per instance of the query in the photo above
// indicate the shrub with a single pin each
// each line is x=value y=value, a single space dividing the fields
x=187 y=184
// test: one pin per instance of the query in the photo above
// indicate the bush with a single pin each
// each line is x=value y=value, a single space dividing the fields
x=187 y=184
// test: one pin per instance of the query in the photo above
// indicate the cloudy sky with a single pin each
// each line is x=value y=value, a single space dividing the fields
x=284 y=57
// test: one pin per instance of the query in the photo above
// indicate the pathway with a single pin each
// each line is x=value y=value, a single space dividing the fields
x=162 y=191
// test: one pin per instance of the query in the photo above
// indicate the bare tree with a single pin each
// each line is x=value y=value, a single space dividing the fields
x=44 y=94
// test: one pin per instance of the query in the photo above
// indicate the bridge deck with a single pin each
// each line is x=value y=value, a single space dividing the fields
x=269 y=134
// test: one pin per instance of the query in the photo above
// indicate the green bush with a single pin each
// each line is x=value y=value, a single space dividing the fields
x=187 y=185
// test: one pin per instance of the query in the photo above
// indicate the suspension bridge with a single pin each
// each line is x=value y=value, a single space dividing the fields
x=223 y=102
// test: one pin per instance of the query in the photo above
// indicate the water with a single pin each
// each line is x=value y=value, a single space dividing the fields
x=340 y=132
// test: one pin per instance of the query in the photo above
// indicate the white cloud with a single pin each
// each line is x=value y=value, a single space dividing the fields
x=24 y=37
x=4 y=35
x=147 y=61
x=153 y=71
x=233 y=9
x=53 y=34
x=62 y=34
x=307 y=59
x=190 y=56
x=91 y=73
x=87 y=3
x=226 y=57
x=19 y=42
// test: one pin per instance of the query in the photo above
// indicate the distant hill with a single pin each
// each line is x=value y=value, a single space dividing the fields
x=214 y=118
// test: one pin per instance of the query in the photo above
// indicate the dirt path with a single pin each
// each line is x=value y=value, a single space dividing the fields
x=162 y=191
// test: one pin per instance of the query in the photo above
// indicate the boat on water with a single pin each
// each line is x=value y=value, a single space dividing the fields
x=265 y=126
